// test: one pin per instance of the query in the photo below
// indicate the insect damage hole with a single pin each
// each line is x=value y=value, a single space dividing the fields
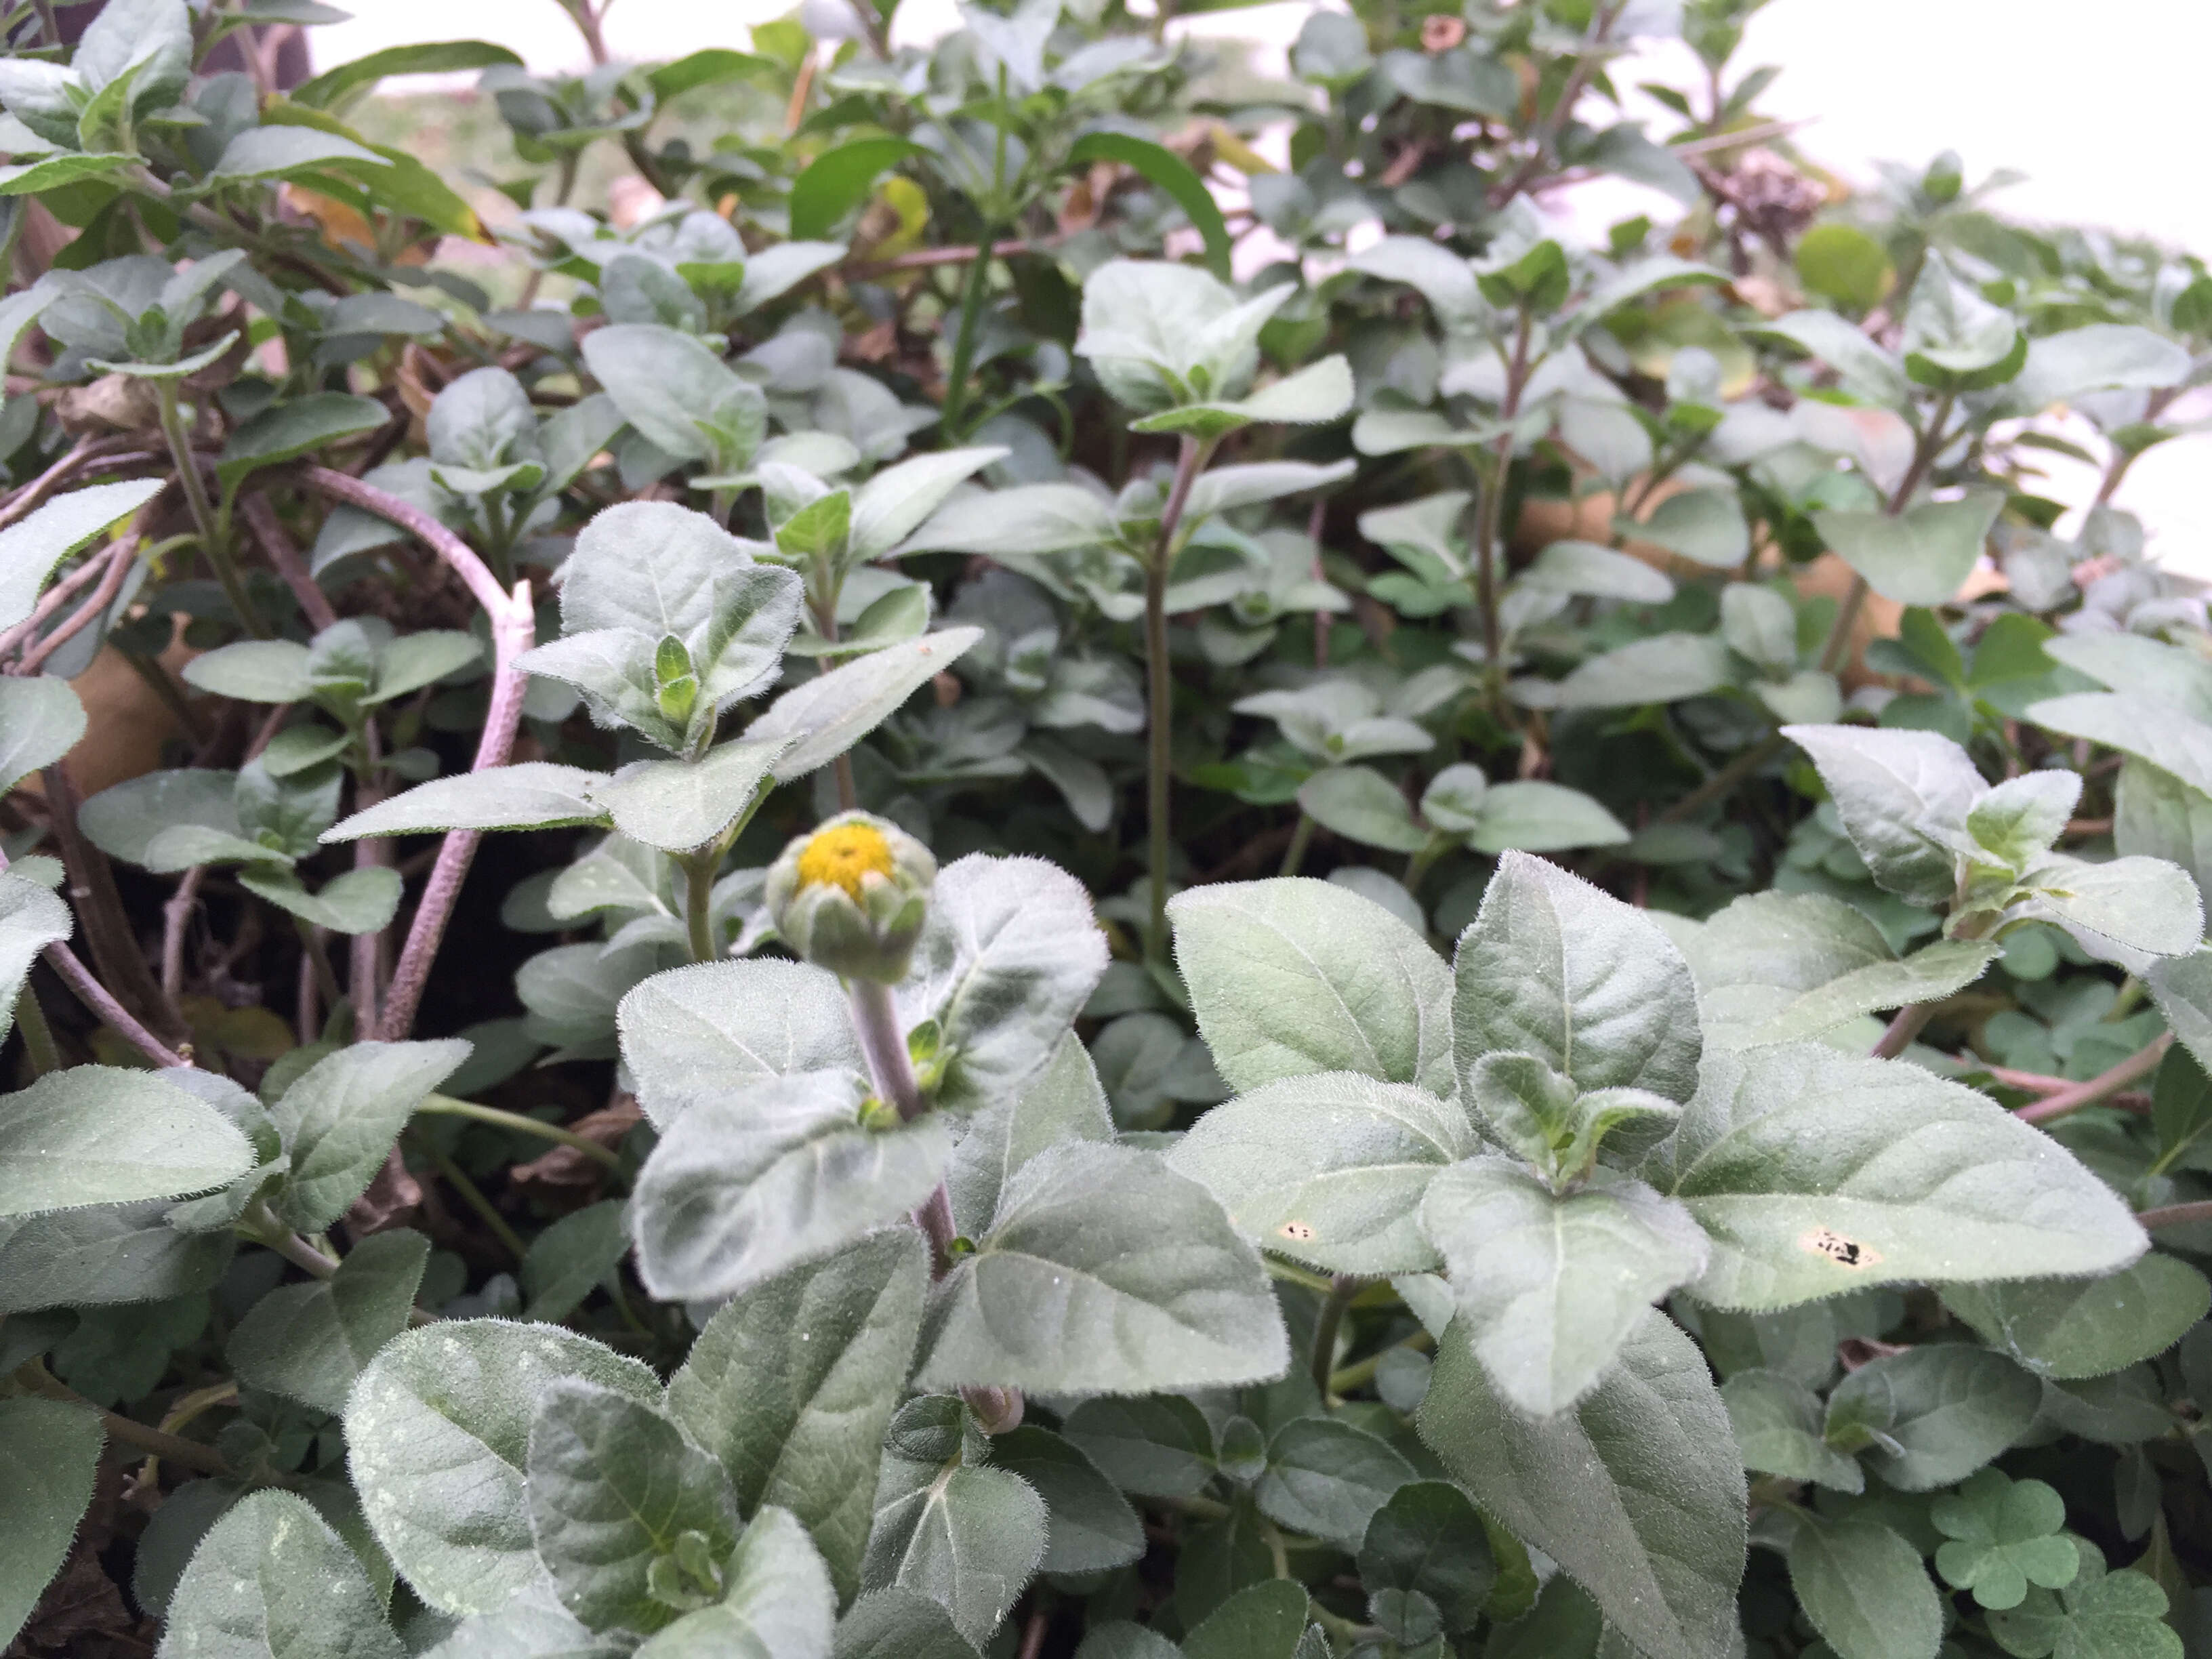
x=1301 y=1231
x=1843 y=1252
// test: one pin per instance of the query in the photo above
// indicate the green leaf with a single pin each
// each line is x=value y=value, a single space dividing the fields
x=2072 y=1328
x=1780 y=1428
x=1705 y=526
x=1922 y=555
x=1291 y=977
x=414 y=660
x=311 y=1341
x=336 y=86
x=678 y=804
x=1429 y=1540
x=361 y=901
x=899 y=1623
x=437 y=1433
x=1007 y=957
x=2138 y=903
x=531 y=1625
x=55 y=171
x=1169 y=172
x=683 y=400
x=835 y=182
x=1624 y=1491
x=1554 y=967
x=1843 y=263
x=1090 y=1526
x=2180 y=1104
x=1535 y=816
x=49 y=1454
x=2003 y=1535
x=1865 y=1590
x=528 y=795
x=1261 y=1621
x=1904 y=797
x=1787 y=967
x=1064 y=1102
x=792 y=1383
x=1932 y=1415
x=267 y=152
x=825 y=716
x=253 y=671
x=1664 y=668
x=891 y=506
x=966 y=1538
x=1327 y=1479
x=40 y=721
x=1316 y=394
x=272 y=1581
x=2142 y=725
x=95 y=1134
x=1329 y=1169
x=30 y=919
x=1867 y=371
x=105 y=1254
x=1159 y=1445
x=612 y=1486
x=286 y=431
x=1359 y=803
x=699 y=1032
x=33 y=546
x=1070 y=1292
x=342 y=1115
x=751 y=1183
x=2101 y=357
x=1815 y=1173
x=1549 y=1286
x=170 y=821
x=1028 y=520
x=779 y=1602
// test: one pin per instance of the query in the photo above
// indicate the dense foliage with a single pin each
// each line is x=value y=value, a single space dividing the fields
x=876 y=923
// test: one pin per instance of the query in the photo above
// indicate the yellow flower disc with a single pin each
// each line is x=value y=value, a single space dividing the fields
x=838 y=857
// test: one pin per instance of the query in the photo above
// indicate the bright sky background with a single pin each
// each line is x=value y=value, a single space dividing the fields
x=2104 y=116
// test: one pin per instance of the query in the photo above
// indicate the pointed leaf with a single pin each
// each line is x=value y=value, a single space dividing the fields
x=97 y=1134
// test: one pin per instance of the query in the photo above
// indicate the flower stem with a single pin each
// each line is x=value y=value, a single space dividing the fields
x=213 y=541
x=1341 y=1290
x=446 y=1106
x=1160 y=692
x=2074 y=1098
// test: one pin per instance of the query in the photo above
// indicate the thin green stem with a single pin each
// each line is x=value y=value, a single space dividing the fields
x=472 y=1195
x=1294 y=855
x=214 y=541
x=1326 y=1327
x=977 y=285
x=446 y=1106
x=1724 y=782
x=1419 y=864
x=699 y=901
x=191 y=1454
x=38 y=1045
x=1159 y=700
x=1360 y=1373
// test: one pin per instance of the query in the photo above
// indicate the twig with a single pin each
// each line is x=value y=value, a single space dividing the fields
x=120 y=559
x=2110 y=1081
x=2175 y=1215
x=108 y=934
x=1159 y=696
x=190 y=1453
x=433 y=535
x=33 y=494
x=176 y=915
x=54 y=598
x=315 y=604
x=1548 y=133
x=446 y=1106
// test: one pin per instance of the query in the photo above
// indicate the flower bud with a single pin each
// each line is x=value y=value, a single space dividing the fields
x=852 y=896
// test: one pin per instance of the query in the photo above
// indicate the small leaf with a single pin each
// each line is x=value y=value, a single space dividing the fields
x=311 y=1341
x=95 y=1134
x=1169 y=172
x=678 y=804
x=1090 y=1526
x=1920 y=557
x=33 y=546
x=779 y=1600
x=49 y=1454
x=700 y=1032
x=966 y=1538
x=272 y=1581
x=1865 y=1590
x=824 y=717
x=1904 y=797
x=528 y=795
x=284 y=432
x=2073 y=1328
x=1932 y=1415
x=1779 y=1430
x=1327 y=1478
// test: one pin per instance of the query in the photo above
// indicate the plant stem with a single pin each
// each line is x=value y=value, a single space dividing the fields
x=1928 y=445
x=191 y=1454
x=963 y=342
x=38 y=1043
x=1724 y=782
x=260 y=1224
x=1420 y=863
x=2110 y=1081
x=699 y=904
x=1160 y=692
x=1301 y=839
x=446 y=1106
x=472 y=1195
x=1341 y=1290
x=2175 y=1215
x=1490 y=514
x=1360 y=1373
x=212 y=541
x=876 y=1017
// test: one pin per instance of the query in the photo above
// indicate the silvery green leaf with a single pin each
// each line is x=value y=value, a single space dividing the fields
x=1223 y=488
x=1064 y=1102
x=1104 y=1272
x=1904 y=797
x=770 y=1174
x=169 y=821
x=437 y=1435
x=104 y=1255
x=414 y=660
x=1663 y=668
x=1920 y=557
x=774 y=271
x=1933 y=1415
x=1291 y=977
x=1359 y=803
x=1786 y=967
x=1705 y=526
x=1864 y=1589
x=1429 y=529
x=30 y=919
x=1761 y=626
x=611 y=1484
x=779 y=1603
x=97 y=1134
x=531 y=1625
x=33 y=546
x=284 y=432
x=2138 y=724
x=966 y=1538
x=1867 y=370
x=254 y=671
x=1158 y=334
x=1550 y=1285
x=2102 y=355
x=571 y=1258
x=1536 y=817
x=1090 y=1526
x=2147 y=668
x=1429 y=1538
x=361 y=901
x=1810 y=696
x=899 y=1623
x=701 y=1031
x=891 y=505
x=1327 y=1479
x=1780 y=1430
x=678 y=804
x=2155 y=815
x=2139 y=903
x=341 y=1117
x=1030 y=519
x=1330 y=1169
x=1444 y=279
x=528 y=795
x=2068 y=1329
x=2182 y=987
x=482 y=419
x=272 y=1581
x=1389 y=430
x=1009 y=955
x=824 y=717
x=1595 y=571
x=1160 y=1445
x=1551 y=966
x=49 y=1457
x=1315 y=395
x=1816 y=1173
x=792 y=1383
x=682 y=397
x=275 y=151
x=40 y=720
x=311 y=1341
x=1623 y=1492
